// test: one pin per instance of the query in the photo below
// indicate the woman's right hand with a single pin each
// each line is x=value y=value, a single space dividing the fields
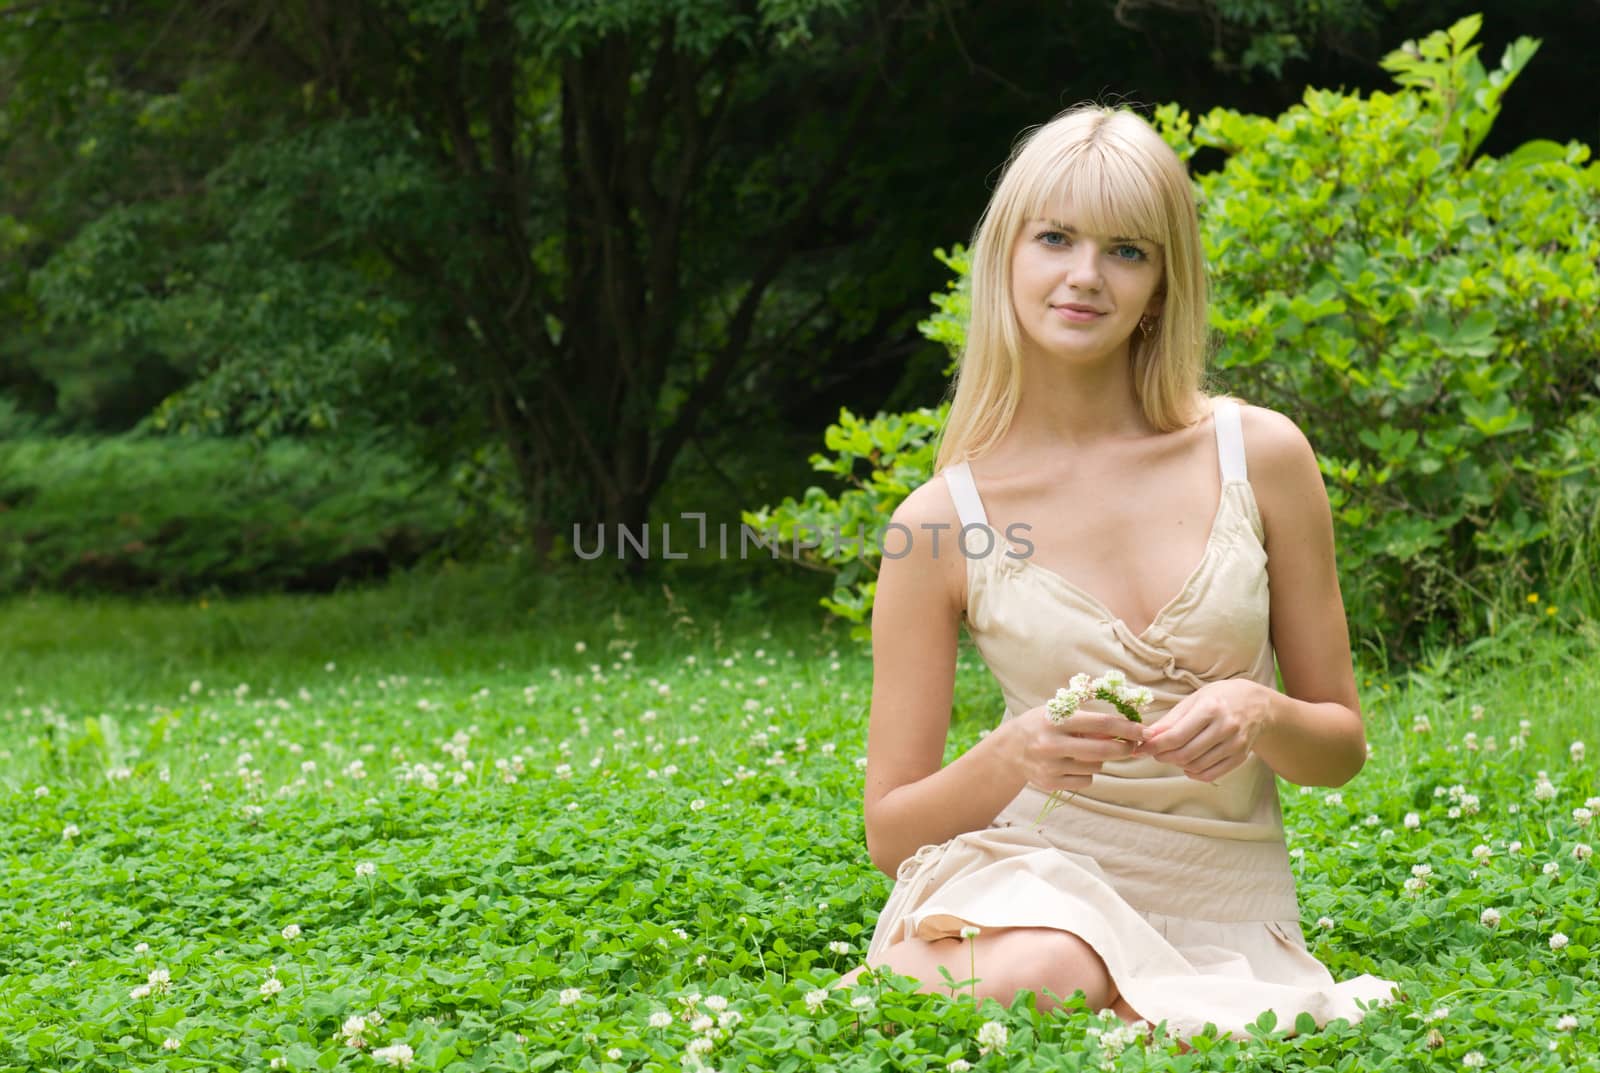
x=1065 y=755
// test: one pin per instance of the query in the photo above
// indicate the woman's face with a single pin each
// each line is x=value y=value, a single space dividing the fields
x=1079 y=295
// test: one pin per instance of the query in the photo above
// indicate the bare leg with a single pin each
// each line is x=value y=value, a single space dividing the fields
x=1008 y=960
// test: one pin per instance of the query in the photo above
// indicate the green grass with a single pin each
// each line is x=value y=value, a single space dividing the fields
x=674 y=809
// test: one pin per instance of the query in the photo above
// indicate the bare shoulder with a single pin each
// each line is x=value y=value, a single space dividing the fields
x=1273 y=442
x=1283 y=469
x=926 y=540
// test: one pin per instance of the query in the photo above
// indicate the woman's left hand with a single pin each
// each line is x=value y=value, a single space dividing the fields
x=1211 y=731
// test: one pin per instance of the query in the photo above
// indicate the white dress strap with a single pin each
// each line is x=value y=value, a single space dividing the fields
x=958 y=478
x=1230 y=440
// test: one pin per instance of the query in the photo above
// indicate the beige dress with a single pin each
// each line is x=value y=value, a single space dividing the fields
x=1183 y=888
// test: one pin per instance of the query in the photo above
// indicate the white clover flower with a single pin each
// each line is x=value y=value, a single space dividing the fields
x=1422 y=871
x=69 y=832
x=140 y=992
x=1551 y=868
x=291 y=932
x=660 y=1019
x=141 y=948
x=1489 y=918
x=580 y=648
x=1575 y=750
x=716 y=1003
x=570 y=995
x=702 y=1023
x=352 y=1030
x=160 y=980
x=365 y=869
x=1558 y=941
x=838 y=947
x=1412 y=821
x=959 y=1065
x=1335 y=798
x=171 y=1043
x=1544 y=790
x=1582 y=816
x=697 y=804
x=1416 y=885
x=816 y=999
x=971 y=932
x=862 y=1002
x=41 y=791
x=1325 y=923
x=1481 y=853
x=1566 y=1023
x=1438 y=1013
x=729 y=1019
x=396 y=1054
x=1469 y=804
x=270 y=986
x=992 y=1036
x=1472 y=1060
x=699 y=1045
x=615 y=1054
x=1582 y=851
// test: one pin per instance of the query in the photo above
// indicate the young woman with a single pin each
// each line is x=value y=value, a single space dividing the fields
x=1098 y=511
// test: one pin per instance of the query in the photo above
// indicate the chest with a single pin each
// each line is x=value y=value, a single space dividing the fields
x=1130 y=538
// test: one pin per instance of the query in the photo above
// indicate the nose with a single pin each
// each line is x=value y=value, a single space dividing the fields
x=1083 y=266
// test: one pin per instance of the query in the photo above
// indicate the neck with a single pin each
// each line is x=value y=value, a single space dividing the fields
x=1077 y=406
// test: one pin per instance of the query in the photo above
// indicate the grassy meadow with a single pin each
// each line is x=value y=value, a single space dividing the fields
x=623 y=832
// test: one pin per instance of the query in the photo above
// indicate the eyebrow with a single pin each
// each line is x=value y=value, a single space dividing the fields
x=1069 y=229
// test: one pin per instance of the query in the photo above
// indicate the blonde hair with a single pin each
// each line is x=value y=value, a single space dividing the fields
x=1120 y=177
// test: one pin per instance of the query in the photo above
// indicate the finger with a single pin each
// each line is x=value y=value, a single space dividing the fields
x=1169 y=742
x=1189 y=753
x=1215 y=771
x=1096 y=749
x=1169 y=717
x=1102 y=724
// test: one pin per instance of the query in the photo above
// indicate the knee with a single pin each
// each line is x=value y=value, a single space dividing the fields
x=1059 y=961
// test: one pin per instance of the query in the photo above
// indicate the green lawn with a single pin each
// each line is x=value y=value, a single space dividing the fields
x=581 y=821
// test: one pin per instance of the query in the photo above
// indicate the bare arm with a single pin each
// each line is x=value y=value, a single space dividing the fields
x=910 y=800
x=1314 y=734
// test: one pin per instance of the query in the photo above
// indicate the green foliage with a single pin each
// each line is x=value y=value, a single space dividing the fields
x=187 y=516
x=696 y=831
x=1423 y=314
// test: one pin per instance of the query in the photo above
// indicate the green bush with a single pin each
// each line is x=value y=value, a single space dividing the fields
x=186 y=516
x=1423 y=313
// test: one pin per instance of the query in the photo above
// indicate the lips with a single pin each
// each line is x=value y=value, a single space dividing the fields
x=1078 y=314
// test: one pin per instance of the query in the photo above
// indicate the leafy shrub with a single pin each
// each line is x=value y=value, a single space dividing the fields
x=183 y=516
x=1422 y=313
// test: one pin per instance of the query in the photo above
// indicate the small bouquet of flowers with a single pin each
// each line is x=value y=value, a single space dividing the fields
x=1111 y=687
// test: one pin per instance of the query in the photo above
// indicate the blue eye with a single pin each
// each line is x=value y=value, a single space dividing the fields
x=1043 y=235
x=1138 y=254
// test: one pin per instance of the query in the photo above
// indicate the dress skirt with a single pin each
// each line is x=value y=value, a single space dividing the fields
x=1193 y=929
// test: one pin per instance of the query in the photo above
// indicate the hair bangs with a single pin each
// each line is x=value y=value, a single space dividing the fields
x=1100 y=190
